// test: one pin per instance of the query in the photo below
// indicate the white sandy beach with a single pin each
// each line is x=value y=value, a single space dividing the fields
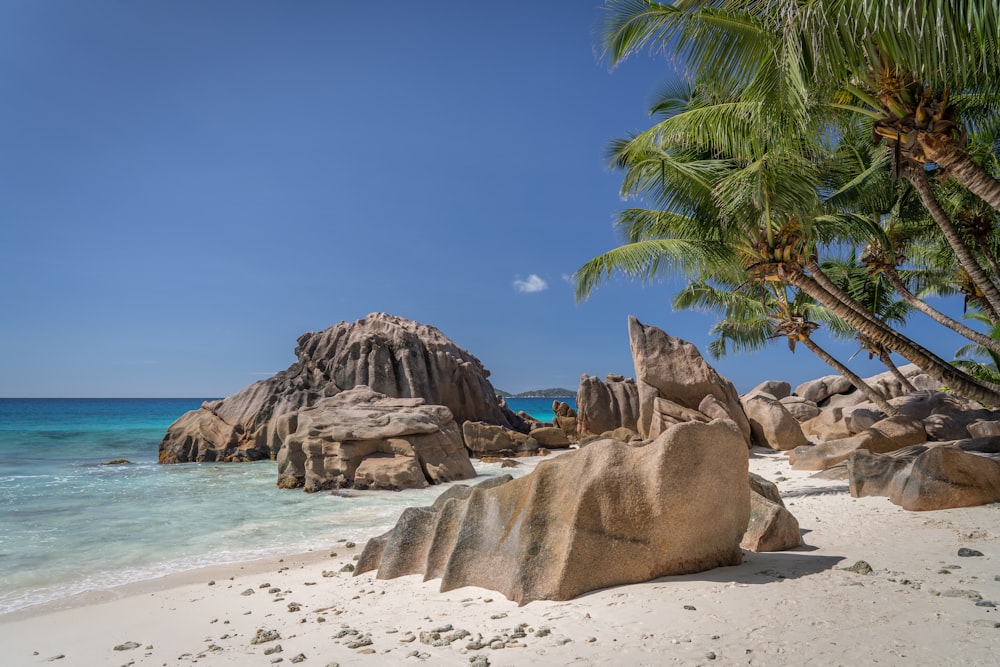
x=917 y=607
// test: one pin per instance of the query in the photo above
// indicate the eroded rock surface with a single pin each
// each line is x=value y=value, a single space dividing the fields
x=605 y=515
x=604 y=405
x=672 y=369
x=362 y=439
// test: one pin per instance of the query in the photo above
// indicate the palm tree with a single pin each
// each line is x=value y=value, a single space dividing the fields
x=900 y=232
x=853 y=56
x=766 y=132
x=758 y=210
x=925 y=71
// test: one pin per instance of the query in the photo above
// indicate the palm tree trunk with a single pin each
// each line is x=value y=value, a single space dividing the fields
x=959 y=164
x=985 y=251
x=886 y=358
x=878 y=333
x=862 y=386
x=938 y=316
x=817 y=273
x=991 y=301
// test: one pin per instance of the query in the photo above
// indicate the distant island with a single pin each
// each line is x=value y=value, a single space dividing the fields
x=556 y=392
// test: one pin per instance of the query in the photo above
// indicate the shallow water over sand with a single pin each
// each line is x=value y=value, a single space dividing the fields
x=69 y=523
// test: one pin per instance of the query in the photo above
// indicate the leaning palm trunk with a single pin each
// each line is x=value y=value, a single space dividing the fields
x=991 y=296
x=939 y=317
x=885 y=357
x=880 y=334
x=862 y=386
x=985 y=251
x=959 y=164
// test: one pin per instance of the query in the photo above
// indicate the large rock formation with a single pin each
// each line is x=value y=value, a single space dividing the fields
x=930 y=478
x=604 y=405
x=366 y=440
x=391 y=355
x=673 y=370
x=605 y=515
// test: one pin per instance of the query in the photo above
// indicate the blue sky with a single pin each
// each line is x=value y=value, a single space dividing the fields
x=189 y=185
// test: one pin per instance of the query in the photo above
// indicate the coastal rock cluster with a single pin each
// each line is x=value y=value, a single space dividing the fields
x=824 y=425
x=938 y=451
x=605 y=515
x=391 y=356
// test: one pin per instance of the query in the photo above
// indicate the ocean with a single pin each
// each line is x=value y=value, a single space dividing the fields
x=70 y=523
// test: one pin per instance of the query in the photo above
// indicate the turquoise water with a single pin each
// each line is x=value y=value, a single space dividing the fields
x=69 y=523
x=539 y=408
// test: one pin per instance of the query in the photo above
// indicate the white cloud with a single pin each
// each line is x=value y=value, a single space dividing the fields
x=532 y=284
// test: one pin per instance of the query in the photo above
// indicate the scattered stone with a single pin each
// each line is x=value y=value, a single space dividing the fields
x=274 y=591
x=127 y=646
x=273 y=649
x=455 y=636
x=967 y=553
x=479 y=660
x=690 y=607
x=263 y=636
x=350 y=545
x=986 y=603
x=861 y=567
x=294 y=606
x=710 y=655
x=248 y=591
x=360 y=642
x=543 y=632
x=347 y=568
x=211 y=583
x=299 y=658
x=264 y=586
x=986 y=623
x=962 y=593
x=60 y=657
x=495 y=617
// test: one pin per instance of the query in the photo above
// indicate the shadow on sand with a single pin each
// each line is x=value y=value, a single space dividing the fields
x=764 y=568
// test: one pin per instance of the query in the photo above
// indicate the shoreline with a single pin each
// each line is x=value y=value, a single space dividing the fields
x=921 y=604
